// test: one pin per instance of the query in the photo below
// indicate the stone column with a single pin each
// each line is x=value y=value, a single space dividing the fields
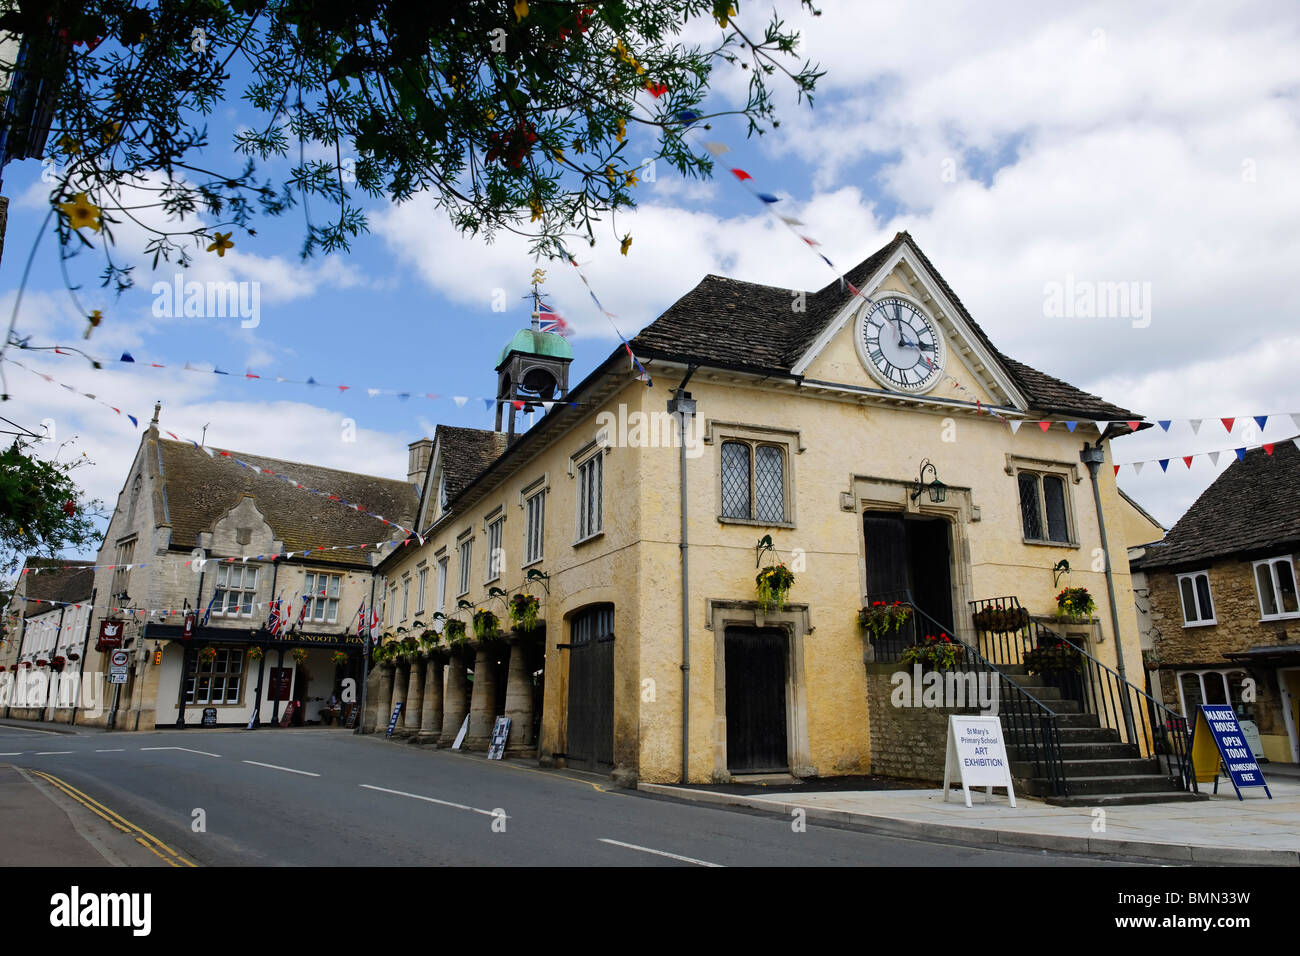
x=379 y=705
x=454 y=703
x=519 y=700
x=400 y=671
x=414 y=708
x=431 y=715
x=483 y=703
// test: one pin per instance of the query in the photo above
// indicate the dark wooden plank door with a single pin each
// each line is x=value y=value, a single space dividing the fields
x=590 y=744
x=756 y=663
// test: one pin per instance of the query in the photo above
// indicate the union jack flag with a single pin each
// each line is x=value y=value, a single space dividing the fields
x=361 y=618
x=275 y=624
x=551 y=321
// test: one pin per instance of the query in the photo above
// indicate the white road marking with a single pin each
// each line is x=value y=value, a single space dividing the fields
x=305 y=773
x=117 y=751
x=186 y=749
x=26 y=730
x=416 y=796
x=16 y=753
x=52 y=753
x=673 y=856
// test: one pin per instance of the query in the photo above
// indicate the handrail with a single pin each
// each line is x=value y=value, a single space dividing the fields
x=1032 y=725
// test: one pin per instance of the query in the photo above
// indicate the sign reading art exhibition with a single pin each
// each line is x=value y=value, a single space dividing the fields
x=977 y=753
x=1218 y=741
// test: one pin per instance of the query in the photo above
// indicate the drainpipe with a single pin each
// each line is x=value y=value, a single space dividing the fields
x=365 y=655
x=50 y=701
x=1093 y=456
x=683 y=406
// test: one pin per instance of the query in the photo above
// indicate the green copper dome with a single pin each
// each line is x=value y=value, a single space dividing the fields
x=532 y=342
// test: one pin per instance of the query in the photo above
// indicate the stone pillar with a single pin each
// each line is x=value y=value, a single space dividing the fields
x=414 y=708
x=400 y=671
x=454 y=702
x=483 y=703
x=431 y=715
x=377 y=719
x=519 y=701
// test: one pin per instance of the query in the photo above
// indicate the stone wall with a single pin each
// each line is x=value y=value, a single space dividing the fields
x=906 y=742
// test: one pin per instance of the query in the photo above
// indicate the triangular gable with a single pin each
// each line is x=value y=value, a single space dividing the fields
x=968 y=361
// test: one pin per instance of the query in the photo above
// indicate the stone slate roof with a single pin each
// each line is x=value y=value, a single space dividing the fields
x=74 y=584
x=465 y=453
x=1251 y=509
x=702 y=327
x=200 y=490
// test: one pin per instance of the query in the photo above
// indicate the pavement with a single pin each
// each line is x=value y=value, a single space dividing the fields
x=1219 y=831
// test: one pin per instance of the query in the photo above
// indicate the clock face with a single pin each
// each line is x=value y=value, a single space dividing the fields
x=900 y=345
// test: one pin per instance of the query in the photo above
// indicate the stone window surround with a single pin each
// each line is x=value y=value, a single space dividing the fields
x=791 y=439
x=1200 y=673
x=577 y=460
x=1277 y=597
x=1213 y=619
x=463 y=575
x=872 y=493
x=795 y=621
x=539 y=486
x=1015 y=464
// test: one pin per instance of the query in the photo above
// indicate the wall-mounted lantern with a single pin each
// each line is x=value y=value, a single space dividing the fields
x=938 y=490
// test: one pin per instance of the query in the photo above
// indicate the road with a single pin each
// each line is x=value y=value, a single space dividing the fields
x=331 y=798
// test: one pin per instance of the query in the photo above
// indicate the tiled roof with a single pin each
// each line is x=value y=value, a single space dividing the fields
x=201 y=489
x=464 y=453
x=1251 y=508
x=702 y=327
x=72 y=584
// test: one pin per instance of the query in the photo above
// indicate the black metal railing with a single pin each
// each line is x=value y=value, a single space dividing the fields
x=1002 y=629
x=1029 y=725
x=1139 y=719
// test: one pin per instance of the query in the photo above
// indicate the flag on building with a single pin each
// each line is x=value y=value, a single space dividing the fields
x=207 y=614
x=361 y=618
x=551 y=321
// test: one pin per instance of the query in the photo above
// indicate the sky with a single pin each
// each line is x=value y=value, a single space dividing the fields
x=1021 y=144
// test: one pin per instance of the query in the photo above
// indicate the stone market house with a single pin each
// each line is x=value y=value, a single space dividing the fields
x=809 y=417
x=192 y=535
x=1223 y=599
x=50 y=614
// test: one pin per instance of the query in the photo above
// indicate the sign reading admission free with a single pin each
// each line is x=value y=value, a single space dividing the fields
x=1217 y=739
x=977 y=751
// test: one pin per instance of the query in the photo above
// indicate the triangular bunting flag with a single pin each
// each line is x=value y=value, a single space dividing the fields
x=134 y=421
x=1071 y=426
x=1268 y=447
x=126 y=357
x=1101 y=426
x=1117 y=470
x=1164 y=464
x=1015 y=426
x=768 y=198
x=1260 y=420
x=1214 y=459
x=741 y=174
x=487 y=404
x=372 y=392
x=717 y=149
x=1196 y=425
x=1241 y=453
x=1137 y=467
x=1165 y=423
x=791 y=221
x=460 y=400
x=1227 y=424
x=1187 y=460
x=1133 y=426
x=1044 y=425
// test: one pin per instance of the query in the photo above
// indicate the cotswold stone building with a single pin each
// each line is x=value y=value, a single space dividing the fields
x=194 y=553
x=809 y=421
x=1223 y=599
x=48 y=625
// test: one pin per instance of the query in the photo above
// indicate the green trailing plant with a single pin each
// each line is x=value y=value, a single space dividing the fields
x=487 y=626
x=998 y=619
x=255 y=653
x=936 y=653
x=524 y=611
x=207 y=655
x=774 y=585
x=1075 y=604
x=881 y=618
x=455 y=632
x=338 y=658
x=300 y=655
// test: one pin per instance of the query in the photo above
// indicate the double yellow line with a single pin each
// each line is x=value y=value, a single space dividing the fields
x=145 y=839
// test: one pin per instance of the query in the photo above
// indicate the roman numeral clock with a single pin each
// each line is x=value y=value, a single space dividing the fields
x=900 y=345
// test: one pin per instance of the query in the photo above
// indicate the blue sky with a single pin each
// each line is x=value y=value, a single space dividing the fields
x=1018 y=144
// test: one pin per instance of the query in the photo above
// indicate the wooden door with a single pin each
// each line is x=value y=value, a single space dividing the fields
x=590 y=733
x=756 y=666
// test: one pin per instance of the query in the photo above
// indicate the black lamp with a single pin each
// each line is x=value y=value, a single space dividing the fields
x=938 y=490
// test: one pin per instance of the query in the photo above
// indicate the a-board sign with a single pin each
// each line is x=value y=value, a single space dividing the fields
x=252 y=721
x=1218 y=741
x=460 y=737
x=392 y=721
x=977 y=752
x=209 y=716
x=280 y=682
x=353 y=710
x=288 y=713
x=500 y=731
x=1250 y=730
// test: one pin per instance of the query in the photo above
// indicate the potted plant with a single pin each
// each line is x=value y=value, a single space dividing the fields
x=487 y=626
x=57 y=662
x=207 y=655
x=1075 y=604
x=338 y=658
x=774 y=584
x=255 y=653
x=881 y=617
x=74 y=656
x=998 y=619
x=1058 y=658
x=524 y=609
x=42 y=662
x=934 y=653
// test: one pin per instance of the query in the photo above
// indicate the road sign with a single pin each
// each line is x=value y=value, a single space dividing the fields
x=118 y=662
x=115 y=678
x=119 y=658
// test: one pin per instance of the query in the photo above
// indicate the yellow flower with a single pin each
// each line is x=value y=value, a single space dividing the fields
x=521 y=9
x=69 y=145
x=221 y=244
x=536 y=207
x=94 y=319
x=726 y=17
x=627 y=241
x=81 y=212
x=609 y=173
x=622 y=129
x=559 y=155
x=630 y=179
x=491 y=115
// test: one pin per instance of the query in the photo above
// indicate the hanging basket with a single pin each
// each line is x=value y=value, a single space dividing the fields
x=774 y=585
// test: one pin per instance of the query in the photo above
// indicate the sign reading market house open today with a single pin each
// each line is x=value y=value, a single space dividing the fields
x=978 y=753
x=1218 y=740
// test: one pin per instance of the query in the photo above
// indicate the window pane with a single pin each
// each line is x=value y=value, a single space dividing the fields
x=600 y=478
x=1189 y=601
x=1191 y=685
x=1215 y=691
x=1030 y=515
x=333 y=614
x=223 y=571
x=1286 y=585
x=1203 y=595
x=1267 y=600
x=1054 y=498
x=232 y=691
x=735 y=480
x=334 y=586
x=769 y=483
